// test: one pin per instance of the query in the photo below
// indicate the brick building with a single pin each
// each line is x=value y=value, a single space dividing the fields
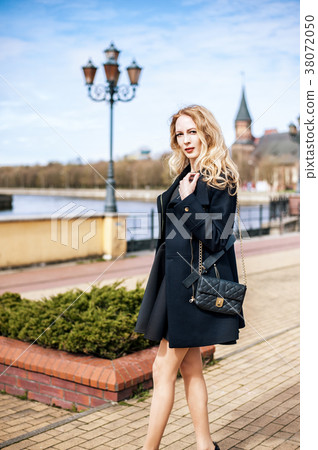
x=273 y=158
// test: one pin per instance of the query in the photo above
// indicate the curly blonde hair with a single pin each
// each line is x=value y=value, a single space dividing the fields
x=214 y=161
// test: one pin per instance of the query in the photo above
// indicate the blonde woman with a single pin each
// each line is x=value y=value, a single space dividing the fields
x=199 y=206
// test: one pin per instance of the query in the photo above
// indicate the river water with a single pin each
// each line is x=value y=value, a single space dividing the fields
x=138 y=212
x=42 y=205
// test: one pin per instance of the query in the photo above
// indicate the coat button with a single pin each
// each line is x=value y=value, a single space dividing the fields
x=186 y=208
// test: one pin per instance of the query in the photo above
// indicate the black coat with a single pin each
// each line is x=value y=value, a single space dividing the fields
x=188 y=325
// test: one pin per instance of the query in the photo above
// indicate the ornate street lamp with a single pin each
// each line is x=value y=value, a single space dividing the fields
x=111 y=93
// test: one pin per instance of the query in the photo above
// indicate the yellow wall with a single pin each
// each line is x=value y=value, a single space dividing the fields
x=32 y=241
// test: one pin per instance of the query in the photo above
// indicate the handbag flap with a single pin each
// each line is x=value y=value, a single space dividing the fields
x=217 y=287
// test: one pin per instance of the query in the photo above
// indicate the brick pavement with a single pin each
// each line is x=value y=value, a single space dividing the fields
x=253 y=387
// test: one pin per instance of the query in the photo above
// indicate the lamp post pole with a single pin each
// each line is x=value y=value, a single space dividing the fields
x=110 y=186
x=295 y=136
x=111 y=93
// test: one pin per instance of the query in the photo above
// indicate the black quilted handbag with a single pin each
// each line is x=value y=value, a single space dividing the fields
x=213 y=293
x=221 y=296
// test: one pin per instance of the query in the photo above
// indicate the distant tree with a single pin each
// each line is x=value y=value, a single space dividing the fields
x=266 y=167
x=129 y=174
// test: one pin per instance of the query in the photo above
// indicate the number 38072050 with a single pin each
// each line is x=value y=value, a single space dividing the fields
x=309 y=44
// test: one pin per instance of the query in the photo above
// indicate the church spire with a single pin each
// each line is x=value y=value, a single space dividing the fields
x=243 y=113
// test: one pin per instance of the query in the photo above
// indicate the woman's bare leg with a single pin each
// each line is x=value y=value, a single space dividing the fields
x=165 y=369
x=197 y=397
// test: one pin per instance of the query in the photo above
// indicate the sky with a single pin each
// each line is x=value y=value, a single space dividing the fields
x=191 y=51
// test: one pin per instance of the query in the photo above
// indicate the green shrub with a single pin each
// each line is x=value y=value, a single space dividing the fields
x=99 y=322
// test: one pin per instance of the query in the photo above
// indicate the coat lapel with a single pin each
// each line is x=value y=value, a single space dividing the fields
x=166 y=195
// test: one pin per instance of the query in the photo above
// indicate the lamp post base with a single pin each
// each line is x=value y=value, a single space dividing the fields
x=114 y=236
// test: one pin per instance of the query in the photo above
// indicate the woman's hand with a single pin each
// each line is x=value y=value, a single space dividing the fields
x=188 y=183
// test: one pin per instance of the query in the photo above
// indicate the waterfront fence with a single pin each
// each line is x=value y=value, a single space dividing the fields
x=256 y=220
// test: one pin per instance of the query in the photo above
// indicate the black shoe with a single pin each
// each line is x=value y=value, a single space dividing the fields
x=216 y=446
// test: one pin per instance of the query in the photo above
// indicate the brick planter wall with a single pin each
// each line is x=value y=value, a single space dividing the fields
x=63 y=379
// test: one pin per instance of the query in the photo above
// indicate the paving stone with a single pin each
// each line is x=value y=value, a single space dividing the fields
x=181 y=445
x=273 y=441
x=287 y=446
x=92 y=425
x=295 y=437
x=271 y=429
x=74 y=442
x=292 y=427
x=142 y=431
x=242 y=434
x=171 y=438
x=120 y=442
x=283 y=434
x=190 y=439
x=88 y=435
x=20 y=445
x=262 y=421
x=95 y=442
x=252 y=441
x=223 y=433
x=229 y=442
x=242 y=422
x=40 y=437
x=140 y=423
x=294 y=410
x=48 y=443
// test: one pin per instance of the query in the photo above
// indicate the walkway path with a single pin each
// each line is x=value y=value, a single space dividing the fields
x=35 y=282
x=253 y=387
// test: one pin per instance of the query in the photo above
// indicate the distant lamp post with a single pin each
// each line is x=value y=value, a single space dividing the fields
x=295 y=136
x=111 y=93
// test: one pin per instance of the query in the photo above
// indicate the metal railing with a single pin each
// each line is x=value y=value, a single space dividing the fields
x=143 y=229
x=278 y=206
x=255 y=220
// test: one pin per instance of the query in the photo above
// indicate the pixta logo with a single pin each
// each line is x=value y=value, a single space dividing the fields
x=60 y=220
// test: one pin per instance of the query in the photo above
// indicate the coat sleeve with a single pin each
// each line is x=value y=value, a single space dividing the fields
x=214 y=226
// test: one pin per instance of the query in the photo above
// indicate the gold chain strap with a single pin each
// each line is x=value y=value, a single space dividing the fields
x=241 y=245
x=200 y=257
